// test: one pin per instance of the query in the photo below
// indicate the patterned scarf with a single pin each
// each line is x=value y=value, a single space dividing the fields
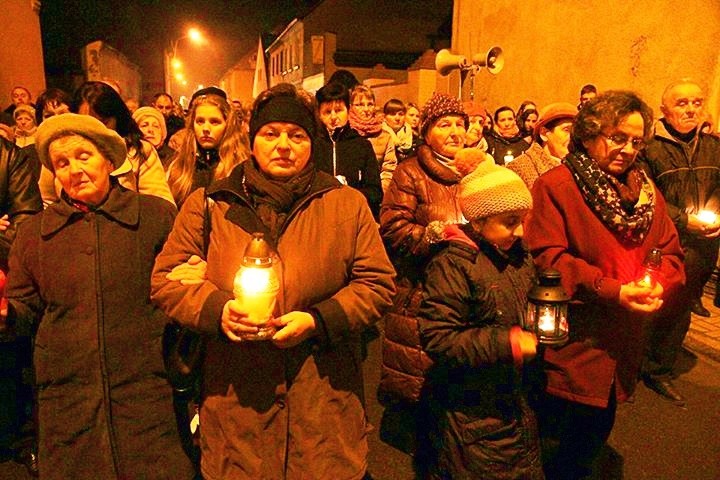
x=366 y=128
x=625 y=208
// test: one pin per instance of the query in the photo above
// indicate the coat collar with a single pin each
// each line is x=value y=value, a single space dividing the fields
x=241 y=211
x=434 y=168
x=122 y=206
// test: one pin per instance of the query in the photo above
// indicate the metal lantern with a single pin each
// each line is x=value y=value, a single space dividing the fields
x=547 y=310
x=256 y=287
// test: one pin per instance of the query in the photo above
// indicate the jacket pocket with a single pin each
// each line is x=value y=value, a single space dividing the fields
x=491 y=441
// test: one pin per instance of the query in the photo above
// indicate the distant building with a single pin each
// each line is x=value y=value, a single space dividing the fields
x=388 y=48
x=21 y=49
x=238 y=80
x=103 y=63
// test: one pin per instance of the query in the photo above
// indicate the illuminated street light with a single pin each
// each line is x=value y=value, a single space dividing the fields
x=179 y=76
x=171 y=60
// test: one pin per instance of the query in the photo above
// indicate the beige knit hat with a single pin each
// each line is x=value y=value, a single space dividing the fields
x=107 y=141
x=491 y=190
x=153 y=112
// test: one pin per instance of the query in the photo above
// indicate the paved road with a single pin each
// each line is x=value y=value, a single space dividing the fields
x=652 y=439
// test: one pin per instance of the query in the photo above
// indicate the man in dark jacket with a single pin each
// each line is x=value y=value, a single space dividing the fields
x=341 y=151
x=685 y=164
x=19 y=199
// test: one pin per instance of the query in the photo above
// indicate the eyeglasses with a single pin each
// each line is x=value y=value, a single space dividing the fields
x=620 y=140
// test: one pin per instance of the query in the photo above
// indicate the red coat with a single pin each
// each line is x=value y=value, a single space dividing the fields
x=606 y=340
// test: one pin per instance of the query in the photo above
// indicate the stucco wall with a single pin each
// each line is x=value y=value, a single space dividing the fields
x=20 y=50
x=553 y=47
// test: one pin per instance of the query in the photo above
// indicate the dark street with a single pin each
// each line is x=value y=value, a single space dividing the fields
x=652 y=438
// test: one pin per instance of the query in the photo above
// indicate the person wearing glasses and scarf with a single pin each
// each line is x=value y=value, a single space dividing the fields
x=595 y=218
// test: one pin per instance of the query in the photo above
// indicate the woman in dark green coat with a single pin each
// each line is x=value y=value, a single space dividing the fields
x=80 y=275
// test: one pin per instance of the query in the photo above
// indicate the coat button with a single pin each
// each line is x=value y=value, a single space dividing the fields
x=89 y=216
x=89 y=250
x=280 y=404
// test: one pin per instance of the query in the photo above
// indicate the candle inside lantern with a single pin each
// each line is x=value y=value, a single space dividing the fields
x=509 y=157
x=546 y=322
x=706 y=216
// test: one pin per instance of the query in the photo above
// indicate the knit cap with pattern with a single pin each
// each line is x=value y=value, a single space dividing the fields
x=490 y=190
x=439 y=105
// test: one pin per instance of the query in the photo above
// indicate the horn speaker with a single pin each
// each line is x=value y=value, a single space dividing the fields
x=494 y=60
x=446 y=62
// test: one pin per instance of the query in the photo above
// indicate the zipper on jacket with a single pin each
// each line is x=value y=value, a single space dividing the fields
x=334 y=144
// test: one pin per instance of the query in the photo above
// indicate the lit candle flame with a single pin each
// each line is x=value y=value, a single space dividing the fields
x=706 y=216
x=546 y=322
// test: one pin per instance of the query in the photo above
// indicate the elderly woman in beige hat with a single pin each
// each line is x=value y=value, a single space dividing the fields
x=151 y=123
x=80 y=276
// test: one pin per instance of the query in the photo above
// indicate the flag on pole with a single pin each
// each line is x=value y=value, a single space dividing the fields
x=260 y=81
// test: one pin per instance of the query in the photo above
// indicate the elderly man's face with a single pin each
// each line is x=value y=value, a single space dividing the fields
x=164 y=104
x=82 y=170
x=682 y=107
x=20 y=96
x=281 y=149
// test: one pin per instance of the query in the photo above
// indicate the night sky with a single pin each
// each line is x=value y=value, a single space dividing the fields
x=142 y=28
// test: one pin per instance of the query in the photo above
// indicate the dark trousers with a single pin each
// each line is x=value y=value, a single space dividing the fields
x=16 y=394
x=700 y=258
x=572 y=435
x=666 y=333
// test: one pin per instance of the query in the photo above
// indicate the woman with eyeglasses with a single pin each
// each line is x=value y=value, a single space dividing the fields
x=595 y=219
x=368 y=122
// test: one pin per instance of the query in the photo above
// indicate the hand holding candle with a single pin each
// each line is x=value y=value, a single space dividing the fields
x=705 y=223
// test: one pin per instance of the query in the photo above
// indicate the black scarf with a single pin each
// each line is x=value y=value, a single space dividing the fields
x=618 y=204
x=274 y=199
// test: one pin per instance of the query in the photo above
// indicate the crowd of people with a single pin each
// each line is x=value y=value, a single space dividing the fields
x=429 y=225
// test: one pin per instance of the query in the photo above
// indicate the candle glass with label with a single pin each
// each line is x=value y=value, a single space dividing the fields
x=509 y=157
x=651 y=269
x=546 y=314
x=256 y=287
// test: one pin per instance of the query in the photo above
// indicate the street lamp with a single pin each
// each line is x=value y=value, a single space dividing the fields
x=171 y=60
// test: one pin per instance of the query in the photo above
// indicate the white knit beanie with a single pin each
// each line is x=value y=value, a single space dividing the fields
x=491 y=190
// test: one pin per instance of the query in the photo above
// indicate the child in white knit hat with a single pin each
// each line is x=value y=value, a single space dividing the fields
x=480 y=424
